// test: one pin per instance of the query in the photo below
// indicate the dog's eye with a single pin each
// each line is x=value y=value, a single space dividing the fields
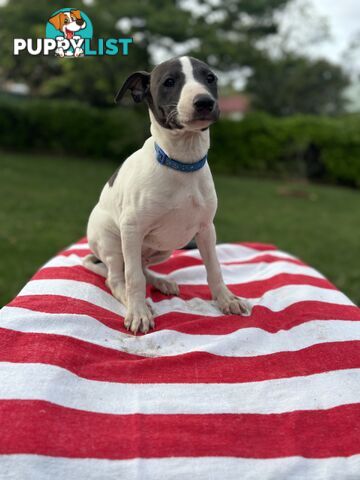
x=211 y=78
x=169 y=82
x=66 y=20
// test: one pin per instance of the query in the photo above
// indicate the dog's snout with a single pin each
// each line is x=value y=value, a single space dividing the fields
x=204 y=103
x=80 y=21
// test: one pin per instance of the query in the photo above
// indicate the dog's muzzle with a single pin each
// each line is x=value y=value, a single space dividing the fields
x=205 y=108
x=203 y=104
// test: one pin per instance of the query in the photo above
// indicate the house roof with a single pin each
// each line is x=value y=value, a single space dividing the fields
x=234 y=103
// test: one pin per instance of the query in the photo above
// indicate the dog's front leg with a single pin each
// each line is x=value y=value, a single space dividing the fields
x=139 y=315
x=78 y=52
x=227 y=301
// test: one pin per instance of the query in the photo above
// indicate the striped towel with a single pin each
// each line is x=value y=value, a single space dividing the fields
x=203 y=396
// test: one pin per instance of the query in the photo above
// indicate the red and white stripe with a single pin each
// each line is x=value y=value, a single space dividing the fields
x=275 y=395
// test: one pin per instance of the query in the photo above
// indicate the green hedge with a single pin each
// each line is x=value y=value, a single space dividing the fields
x=71 y=128
x=325 y=148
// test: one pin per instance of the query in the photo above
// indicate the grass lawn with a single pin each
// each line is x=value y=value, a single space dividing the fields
x=45 y=203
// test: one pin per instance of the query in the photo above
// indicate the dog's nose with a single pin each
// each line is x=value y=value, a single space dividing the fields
x=203 y=103
x=80 y=21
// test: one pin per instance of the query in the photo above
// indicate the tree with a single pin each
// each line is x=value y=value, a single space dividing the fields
x=224 y=34
x=295 y=84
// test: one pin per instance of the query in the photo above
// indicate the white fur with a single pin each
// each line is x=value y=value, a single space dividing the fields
x=190 y=90
x=151 y=210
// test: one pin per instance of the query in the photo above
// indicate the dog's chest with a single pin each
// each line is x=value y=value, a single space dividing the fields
x=181 y=219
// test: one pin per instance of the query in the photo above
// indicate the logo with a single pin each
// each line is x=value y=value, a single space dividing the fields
x=69 y=33
x=69 y=28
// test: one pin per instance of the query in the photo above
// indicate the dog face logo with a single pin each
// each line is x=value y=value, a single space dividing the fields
x=69 y=27
x=68 y=22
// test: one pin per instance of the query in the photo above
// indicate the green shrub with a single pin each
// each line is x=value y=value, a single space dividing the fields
x=324 y=148
x=71 y=128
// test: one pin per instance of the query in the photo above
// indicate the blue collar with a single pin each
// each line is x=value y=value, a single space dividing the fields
x=162 y=158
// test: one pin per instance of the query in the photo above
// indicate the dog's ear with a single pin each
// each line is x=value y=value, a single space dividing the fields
x=57 y=20
x=138 y=83
x=77 y=14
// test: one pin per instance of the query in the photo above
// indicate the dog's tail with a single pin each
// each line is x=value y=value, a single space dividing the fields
x=92 y=263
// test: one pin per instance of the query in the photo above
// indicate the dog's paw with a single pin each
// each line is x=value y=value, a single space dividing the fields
x=79 y=52
x=165 y=286
x=59 y=52
x=231 y=304
x=139 y=318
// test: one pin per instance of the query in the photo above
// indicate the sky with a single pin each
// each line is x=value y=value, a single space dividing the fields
x=343 y=19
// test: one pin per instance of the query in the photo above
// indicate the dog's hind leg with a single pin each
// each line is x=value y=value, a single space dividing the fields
x=112 y=270
x=112 y=264
x=91 y=262
x=106 y=246
x=116 y=277
x=161 y=283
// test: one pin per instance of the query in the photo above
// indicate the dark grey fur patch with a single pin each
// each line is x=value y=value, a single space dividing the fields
x=201 y=71
x=113 y=177
x=163 y=100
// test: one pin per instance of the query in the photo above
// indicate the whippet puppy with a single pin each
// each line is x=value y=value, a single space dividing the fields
x=163 y=195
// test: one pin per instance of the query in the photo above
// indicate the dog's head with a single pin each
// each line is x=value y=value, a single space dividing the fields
x=181 y=93
x=68 y=22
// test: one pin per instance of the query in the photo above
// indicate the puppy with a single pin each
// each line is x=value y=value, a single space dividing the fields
x=163 y=195
x=68 y=23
